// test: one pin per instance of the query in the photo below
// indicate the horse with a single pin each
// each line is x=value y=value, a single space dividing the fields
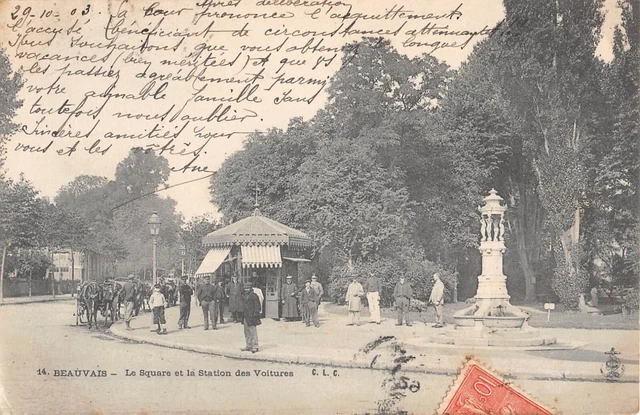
x=90 y=297
x=143 y=293
x=170 y=293
x=112 y=297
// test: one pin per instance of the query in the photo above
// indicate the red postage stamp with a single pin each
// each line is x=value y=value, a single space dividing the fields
x=479 y=392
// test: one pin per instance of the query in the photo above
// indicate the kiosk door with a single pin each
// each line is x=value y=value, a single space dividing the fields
x=272 y=299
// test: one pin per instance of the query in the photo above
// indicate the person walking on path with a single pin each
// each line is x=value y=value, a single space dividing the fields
x=309 y=302
x=354 y=297
x=234 y=294
x=317 y=287
x=185 y=303
x=251 y=320
x=403 y=295
x=205 y=295
x=437 y=299
x=157 y=302
x=373 y=287
x=129 y=293
x=288 y=295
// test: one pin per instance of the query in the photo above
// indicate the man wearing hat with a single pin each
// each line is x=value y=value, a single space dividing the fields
x=354 y=298
x=372 y=288
x=317 y=287
x=234 y=294
x=205 y=295
x=185 y=303
x=437 y=299
x=288 y=295
x=309 y=303
x=403 y=295
x=129 y=294
x=251 y=318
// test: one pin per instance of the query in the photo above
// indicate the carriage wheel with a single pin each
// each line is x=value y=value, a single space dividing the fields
x=77 y=317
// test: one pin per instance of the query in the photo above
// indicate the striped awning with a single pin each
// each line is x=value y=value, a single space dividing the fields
x=212 y=260
x=261 y=256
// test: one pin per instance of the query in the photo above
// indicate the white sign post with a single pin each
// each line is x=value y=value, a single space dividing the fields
x=549 y=307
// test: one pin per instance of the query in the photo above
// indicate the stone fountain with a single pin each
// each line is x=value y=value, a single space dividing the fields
x=492 y=320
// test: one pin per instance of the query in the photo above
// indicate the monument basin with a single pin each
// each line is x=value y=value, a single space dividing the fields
x=465 y=321
x=503 y=322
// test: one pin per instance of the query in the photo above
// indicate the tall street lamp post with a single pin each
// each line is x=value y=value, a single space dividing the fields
x=154 y=227
x=183 y=252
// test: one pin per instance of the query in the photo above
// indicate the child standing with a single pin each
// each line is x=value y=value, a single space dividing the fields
x=157 y=302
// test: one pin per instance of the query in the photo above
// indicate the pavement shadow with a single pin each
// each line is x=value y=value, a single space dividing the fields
x=578 y=355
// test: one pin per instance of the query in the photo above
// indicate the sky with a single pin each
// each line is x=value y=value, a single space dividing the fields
x=49 y=174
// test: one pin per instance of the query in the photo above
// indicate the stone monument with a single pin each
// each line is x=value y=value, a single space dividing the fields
x=492 y=320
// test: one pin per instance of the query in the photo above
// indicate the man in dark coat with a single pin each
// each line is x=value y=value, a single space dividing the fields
x=205 y=295
x=289 y=298
x=309 y=303
x=218 y=298
x=234 y=294
x=223 y=284
x=251 y=311
x=185 y=303
x=129 y=292
x=403 y=295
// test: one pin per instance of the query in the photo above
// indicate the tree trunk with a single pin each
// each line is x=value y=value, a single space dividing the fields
x=527 y=269
x=525 y=249
x=569 y=239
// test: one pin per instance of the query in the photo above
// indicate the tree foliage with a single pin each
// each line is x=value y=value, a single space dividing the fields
x=110 y=217
x=141 y=173
x=353 y=177
x=191 y=235
x=10 y=84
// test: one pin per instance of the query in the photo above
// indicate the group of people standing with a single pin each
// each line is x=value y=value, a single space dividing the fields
x=246 y=301
x=245 y=305
x=304 y=301
x=212 y=299
x=402 y=294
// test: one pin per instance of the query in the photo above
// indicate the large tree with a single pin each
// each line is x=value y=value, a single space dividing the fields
x=141 y=173
x=477 y=119
x=266 y=168
x=614 y=212
x=10 y=84
x=115 y=213
x=551 y=83
x=369 y=177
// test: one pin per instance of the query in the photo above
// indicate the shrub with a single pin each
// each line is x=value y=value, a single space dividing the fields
x=568 y=285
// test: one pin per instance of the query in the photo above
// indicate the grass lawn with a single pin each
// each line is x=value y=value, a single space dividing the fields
x=560 y=318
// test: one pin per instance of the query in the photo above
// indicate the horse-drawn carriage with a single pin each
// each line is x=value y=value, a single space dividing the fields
x=93 y=296
x=107 y=297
